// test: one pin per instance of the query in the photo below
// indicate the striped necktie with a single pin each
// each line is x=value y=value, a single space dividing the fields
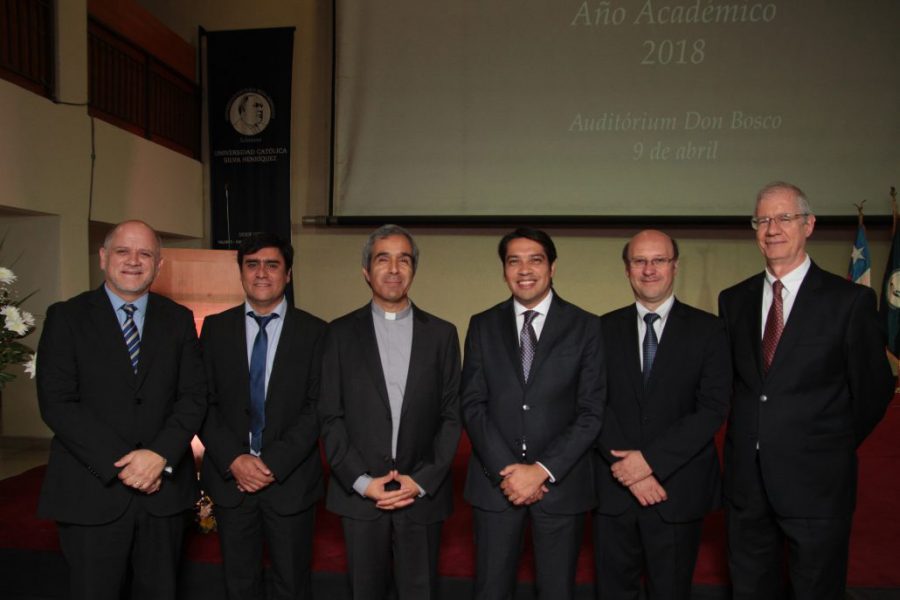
x=132 y=337
x=651 y=342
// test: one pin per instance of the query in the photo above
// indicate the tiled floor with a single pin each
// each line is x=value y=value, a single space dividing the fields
x=18 y=454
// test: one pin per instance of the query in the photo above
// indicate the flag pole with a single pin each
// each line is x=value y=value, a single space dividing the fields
x=894 y=359
x=893 y=210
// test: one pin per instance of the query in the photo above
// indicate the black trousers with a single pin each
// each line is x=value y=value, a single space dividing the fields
x=242 y=532
x=817 y=551
x=498 y=545
x=639 y=541
x=99 y=556
x=392 y=545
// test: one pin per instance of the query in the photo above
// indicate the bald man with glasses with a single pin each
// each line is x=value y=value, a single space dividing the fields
x=811 y=381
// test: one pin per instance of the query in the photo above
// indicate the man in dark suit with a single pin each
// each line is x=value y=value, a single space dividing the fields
x=120 y=384
x=657 y=468
x=534 y=388
x=262 y=467
x=811 y=381
x=389 y=407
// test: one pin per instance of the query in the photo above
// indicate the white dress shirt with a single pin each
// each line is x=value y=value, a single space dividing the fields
x=791 y=283
x=663 y=311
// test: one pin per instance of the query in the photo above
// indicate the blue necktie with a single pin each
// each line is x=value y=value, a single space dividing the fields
x=132 y=337
x=650 y=344
x=258 y=381
x=527 y=342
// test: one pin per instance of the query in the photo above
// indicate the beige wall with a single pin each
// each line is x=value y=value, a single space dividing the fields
x=460 y=273
x=45 y=168
x=37 y=266
x=311 y=82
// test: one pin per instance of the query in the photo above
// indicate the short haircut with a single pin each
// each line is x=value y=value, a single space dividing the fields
x=257 y=241
x=535 y=235
x=112 y=232
x=386 y=231
x=671 y=239
x=802 y=201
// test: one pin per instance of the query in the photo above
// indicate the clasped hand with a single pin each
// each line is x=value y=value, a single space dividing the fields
x=250 y=473
x=394 y=499
x=634 y=472
x=524 y=484
x=141 y=470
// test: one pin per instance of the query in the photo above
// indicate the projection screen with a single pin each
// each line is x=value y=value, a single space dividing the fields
x=613 y=108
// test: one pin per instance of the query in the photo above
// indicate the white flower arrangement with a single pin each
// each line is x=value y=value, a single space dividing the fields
x=15 y=324
x=7 y=277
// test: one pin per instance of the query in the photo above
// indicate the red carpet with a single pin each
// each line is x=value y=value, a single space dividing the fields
x=874 y=548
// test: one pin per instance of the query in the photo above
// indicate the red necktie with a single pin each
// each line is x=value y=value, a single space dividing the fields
x=774 y=325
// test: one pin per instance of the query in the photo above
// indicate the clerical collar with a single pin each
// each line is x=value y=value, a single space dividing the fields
x=392 y=316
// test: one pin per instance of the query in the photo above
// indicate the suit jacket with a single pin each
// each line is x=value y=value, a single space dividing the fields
x=356 y=414
x=290 y=438
x=827 y=388
x=99 y=409
x=558 y=412
x=671 y=420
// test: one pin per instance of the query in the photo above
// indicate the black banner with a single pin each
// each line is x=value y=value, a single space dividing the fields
x=249 y=108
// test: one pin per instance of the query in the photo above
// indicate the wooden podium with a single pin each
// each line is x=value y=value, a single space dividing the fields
x=206 y=281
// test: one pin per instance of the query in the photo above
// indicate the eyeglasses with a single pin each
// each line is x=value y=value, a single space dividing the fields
x=783 y=219
x=641 y=263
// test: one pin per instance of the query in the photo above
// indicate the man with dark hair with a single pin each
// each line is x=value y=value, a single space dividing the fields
x=120 y=384
x=262 y=466
x=811 y=381
x=533 y=392
x=657 y=466
x=390 y=423
x=257 y=241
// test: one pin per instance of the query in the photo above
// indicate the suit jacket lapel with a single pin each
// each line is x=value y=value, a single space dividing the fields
x=667 y=352
x=629 y=335
x=417 y=357
x=797 y=322
x=150 y=339
x=752 y=323
x=365 y=330
x=556 y=324
x=280 y=365
x=106 y=324
x=509 y=333
x=238 y=344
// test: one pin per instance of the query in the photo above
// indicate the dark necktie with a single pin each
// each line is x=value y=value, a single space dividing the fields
x=132 y=337
x=774 y=325
x=258 y=381
x=527 y=343
x=651 y=342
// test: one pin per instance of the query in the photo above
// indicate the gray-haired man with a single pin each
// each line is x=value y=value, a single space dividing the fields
x=390 y=422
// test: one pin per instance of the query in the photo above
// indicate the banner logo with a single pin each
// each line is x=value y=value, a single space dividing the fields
x=249 y=111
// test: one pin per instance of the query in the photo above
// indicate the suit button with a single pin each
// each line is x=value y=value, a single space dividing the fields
x=386 y=458
x=526 y=407
x=139 y=445
x=139 y=401
x=763 y=398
